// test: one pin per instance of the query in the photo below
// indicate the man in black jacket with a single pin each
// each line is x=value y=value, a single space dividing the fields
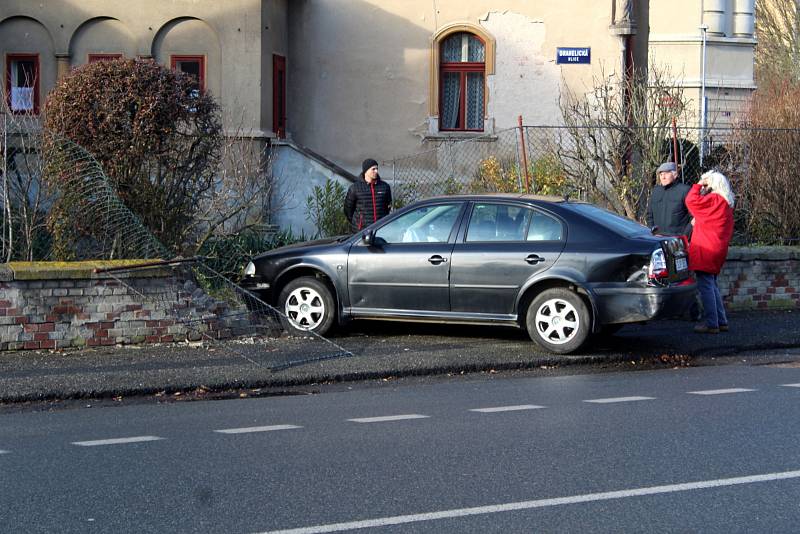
x=667 y=209
x=368 y=199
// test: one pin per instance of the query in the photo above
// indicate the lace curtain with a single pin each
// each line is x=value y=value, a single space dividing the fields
x=461 y=47
x=451 y=95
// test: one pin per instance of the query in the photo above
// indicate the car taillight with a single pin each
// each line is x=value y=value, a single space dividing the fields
x=658 y=265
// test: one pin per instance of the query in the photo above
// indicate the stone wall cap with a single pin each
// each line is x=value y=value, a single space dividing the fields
x=764 y=253
x=61 y=270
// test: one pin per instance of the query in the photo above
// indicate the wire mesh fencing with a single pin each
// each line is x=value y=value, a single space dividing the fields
x=168 y=299
x=614 y=166
x=187 y=300
x=486 y=163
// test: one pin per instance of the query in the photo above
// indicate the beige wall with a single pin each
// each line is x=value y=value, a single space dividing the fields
x=229 y=34
x=360 y=76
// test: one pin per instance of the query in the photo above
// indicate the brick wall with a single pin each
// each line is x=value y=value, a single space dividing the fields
x=761 y=278
x=74 y=308
x=70 y=306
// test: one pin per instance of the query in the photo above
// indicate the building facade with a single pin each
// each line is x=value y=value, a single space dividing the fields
x=351 y=79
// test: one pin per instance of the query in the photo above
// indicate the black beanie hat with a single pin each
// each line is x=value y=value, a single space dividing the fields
x=368 y=164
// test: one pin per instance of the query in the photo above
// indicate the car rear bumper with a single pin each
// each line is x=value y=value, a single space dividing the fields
x=616 y=305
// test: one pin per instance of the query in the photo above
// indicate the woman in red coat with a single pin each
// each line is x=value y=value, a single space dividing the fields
x=710 y=201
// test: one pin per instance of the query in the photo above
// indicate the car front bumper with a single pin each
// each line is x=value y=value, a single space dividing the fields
x=619 y=305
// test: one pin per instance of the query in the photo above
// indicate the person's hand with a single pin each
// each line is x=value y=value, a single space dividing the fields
x=692 y=221
x=703 y=181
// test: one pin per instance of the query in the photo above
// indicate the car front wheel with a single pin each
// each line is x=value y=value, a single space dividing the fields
x=307 y=305
x=558 y=320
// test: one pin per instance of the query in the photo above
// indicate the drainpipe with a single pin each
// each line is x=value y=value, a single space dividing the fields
x=703 y=111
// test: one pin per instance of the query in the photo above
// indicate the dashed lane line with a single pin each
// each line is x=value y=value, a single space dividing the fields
x=516 y=408
x=4 y=452
x=116 y=441
x=539 y=503
x=247 y=430
x=791 y=385
x=618 y=399
x=720 y=391
x=388 y=418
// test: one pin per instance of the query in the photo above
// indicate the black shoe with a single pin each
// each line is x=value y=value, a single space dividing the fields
x=703 y=329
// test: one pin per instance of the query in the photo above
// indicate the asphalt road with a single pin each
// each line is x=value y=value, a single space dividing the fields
x=710 y=449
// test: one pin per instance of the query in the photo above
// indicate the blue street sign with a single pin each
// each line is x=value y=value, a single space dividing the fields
x=579 y=55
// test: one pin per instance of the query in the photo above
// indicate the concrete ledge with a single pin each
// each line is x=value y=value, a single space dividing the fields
x=70 y=270
x=763 y=253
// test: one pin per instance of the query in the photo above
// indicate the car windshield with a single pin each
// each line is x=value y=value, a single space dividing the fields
x=610 y=220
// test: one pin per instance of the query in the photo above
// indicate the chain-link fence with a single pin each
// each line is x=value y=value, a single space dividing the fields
x=613 y=166
x=84 y=217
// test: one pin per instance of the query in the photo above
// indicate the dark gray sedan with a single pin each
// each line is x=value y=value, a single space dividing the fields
x=558 y=268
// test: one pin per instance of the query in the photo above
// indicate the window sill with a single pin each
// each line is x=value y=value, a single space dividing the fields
x=460 y=136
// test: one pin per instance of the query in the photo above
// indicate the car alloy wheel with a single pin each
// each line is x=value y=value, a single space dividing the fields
x=307 y=305
x=558 y=320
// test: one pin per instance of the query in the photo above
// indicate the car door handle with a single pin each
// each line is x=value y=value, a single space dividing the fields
x=436 y=259
x=533 y=259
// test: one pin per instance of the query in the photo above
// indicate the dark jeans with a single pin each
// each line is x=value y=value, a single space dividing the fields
x=713 y=310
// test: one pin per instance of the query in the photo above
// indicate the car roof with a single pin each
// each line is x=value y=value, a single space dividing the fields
x=505 y=196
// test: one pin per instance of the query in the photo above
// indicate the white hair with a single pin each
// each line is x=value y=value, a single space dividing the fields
x=718 y=184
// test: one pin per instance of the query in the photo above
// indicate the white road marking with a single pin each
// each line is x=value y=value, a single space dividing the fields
x=388 y=418
x=619 y=399
x=256 y=429
x=507 y=408
x=116 y=441
x=540 y=503
x=720 y=391
x=4 y=452
x=791 y=385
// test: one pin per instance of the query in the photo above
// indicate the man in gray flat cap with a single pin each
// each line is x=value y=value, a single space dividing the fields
x=667 y=210
x=668 y=213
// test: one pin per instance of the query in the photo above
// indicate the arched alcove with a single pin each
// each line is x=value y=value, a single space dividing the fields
x=29 y=63
x=192 y=42
x=101 y=36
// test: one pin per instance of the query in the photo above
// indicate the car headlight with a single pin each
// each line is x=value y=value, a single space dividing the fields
x=250 y=269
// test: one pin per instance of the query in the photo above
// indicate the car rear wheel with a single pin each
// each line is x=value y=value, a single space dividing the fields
x=307 y=306
x=558 y=320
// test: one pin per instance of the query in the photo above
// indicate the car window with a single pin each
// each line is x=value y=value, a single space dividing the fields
x=610 y=220
x=427 y=224
x=498 y=222
x=545 y=228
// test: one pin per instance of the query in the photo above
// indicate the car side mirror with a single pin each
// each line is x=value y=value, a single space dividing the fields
x=368 y=238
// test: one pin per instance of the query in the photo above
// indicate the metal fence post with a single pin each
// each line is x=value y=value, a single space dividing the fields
x=7 y=236
x=524 y=156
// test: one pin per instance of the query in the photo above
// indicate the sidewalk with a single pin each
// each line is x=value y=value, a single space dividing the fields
x=380 y=350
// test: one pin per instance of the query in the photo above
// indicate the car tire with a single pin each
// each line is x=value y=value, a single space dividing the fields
x=558 y=320
x=307 y=305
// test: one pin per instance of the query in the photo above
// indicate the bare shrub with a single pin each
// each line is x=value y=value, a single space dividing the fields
x=615 y=137
x=768 y=150
x=156 y=136
x=24 y=196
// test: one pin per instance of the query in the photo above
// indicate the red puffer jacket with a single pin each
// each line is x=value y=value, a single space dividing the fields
x=713 y=229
